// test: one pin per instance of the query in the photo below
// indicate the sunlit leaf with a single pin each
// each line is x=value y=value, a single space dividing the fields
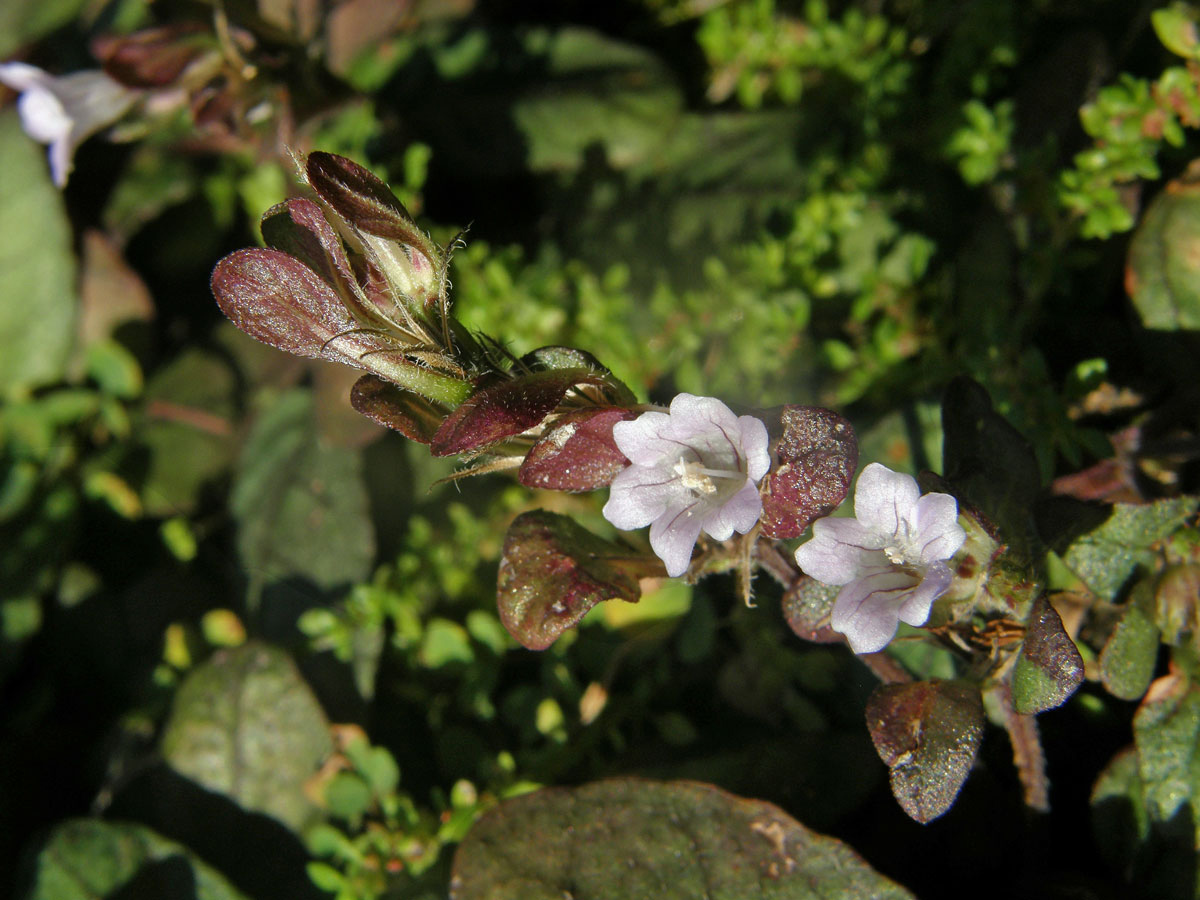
x=817 y=456
x=246 y=725
x=927 y=733
x=577 y=454
x=1049 y=667
x=632 y=838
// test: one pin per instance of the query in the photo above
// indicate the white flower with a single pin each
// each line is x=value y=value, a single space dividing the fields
x=691 y=469
x=891 y=558
x=65 y=111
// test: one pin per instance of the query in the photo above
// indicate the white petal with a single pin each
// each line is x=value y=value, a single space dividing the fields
x=43 y=116
x=646 y=440
x=738 y=513
x=21 y=76
x=915 y=609
x=884 y=499
x=639 y=495
x=754 y=441
x=938 y=533
x=867 y=610
x=839 y=550
x=673 y=536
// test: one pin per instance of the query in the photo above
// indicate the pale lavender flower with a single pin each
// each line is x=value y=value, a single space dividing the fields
x=694 y=468
x=891 y=557
x=63 y=112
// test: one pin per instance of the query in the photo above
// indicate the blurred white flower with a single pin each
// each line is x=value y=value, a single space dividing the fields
x=64 y=111
x=891 y=558
x=693 y=468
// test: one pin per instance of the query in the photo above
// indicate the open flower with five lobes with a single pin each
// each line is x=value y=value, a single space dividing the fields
x=64 y=111
x=890 y=558
x=693 y=468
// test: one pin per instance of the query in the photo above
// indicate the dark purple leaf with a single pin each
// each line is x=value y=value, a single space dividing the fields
x=504 y=409
x=927 y=732
x=393 y=407
x=578 y=453
x=152 y=57
x=553 y=571
x=817 y=457
x=298 y=227
x=363 y=200
x=1049 y=667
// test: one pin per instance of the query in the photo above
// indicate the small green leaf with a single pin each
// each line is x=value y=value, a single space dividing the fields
x=1176 y=28
x=631 y=838
x=1128 y=659
x=348 y=796
x=115 y=369
x=1049 y=667
x=1162 y=278
x=245 y=724
x=927 y=733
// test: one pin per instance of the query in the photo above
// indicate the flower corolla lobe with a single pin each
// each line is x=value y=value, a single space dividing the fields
x=890 y=559
x=693 y=468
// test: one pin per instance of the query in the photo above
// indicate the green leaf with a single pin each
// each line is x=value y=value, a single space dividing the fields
x=84 y=859
x=245 y=724
x=632 y=838
x=1049 y=667
x=1131 y=652
x=37 y=266
x=1166 y=732
x=1176 y=28
x=1105 y=557
x=24 y=21
x=927 y=733
x=301 y=506
x=1161 y=277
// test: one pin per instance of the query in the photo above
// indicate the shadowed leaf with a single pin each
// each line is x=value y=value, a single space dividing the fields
x=505 y=409
x=1129 y=657
x=817 y=457
x=1166 y=732
x=928 y=734
x=245 y=724
x=553 y=571
x=807 y=606
x=631 y=838
x=403 y=411
x=1049 y=667
x=577 y=454
x=151 y=57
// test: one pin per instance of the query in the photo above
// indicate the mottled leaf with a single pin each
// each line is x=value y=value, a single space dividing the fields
x=817 y=457
x=1105 y=557
x=552 y=571
x=1161 y=277
x=1131 y=652
x=504 y=409
x=927 y=733
x=807 y=606
x=246 y=725
x=84 y=859
x=393 y=407
x=1049 y=667
x=631 y=838
x=37 y=265
x=578 y=453
x=1166 y=732
x=300 y=505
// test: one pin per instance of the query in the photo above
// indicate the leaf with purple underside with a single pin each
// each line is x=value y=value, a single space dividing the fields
x=1049 y=667
x=817 y=457
x=807 y=606
x=928 y=733
x=578 y=453
x=298 y=227
x=552 y=571
x=364 y=201
x=393 y=407
x=506 y=408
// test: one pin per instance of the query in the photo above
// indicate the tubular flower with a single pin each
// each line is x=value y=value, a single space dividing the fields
x=694 y=468
x=890 y=558
x=63 y=112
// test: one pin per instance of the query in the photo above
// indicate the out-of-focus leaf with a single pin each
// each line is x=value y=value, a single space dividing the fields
x=631 y=838
x=151 y=57
x=506 y=408
x=577 y=454
x=111 y=293
x=301 y=506
x=1105 y=557
x=1166 y=732
x=1049 y=667
x=24 y=21
x=393 y=407
x=88 y=858
x=817 y=457
x=927 y=733
x=1176 y=28
x=37 y=267
x=1128 y=659
x=245 y=724
x=1177 y=602
x=1161 y=276
x=552 y=571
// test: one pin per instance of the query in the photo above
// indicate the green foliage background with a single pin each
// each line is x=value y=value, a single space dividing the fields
x=215 y=577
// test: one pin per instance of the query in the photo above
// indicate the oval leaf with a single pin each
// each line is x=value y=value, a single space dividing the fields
x=362 y=199
x=403 y=411
x=1131 y=652
x=927 y=733
x=807 y=606
x=577 y=454
x=1049 y=667
x=817 y=457
x=628 y=837
x=245 y=724
x=553 y=571
x=1161 y=277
